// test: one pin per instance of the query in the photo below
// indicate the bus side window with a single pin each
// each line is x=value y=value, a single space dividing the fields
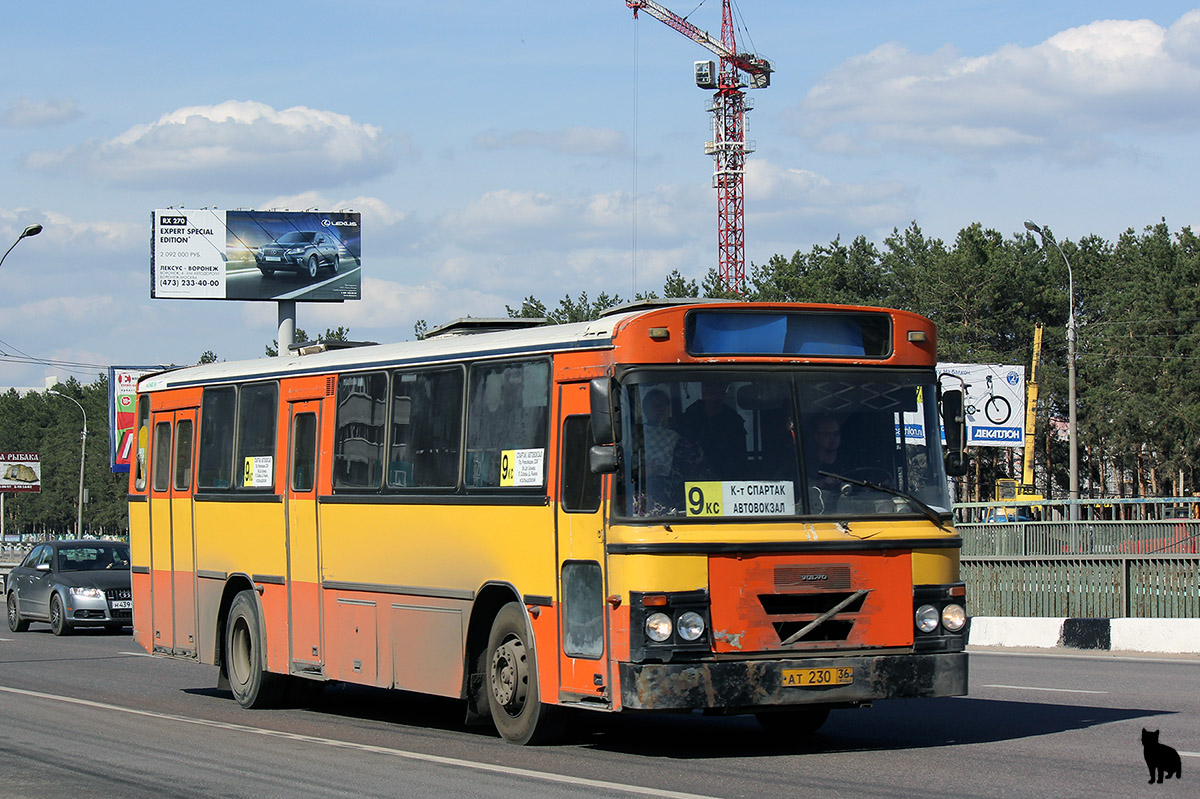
x=143 y=436
x=304 y=451
x=361 y=427
x=508 y=423
x=580 y=486
x=216 y=438
x=426 y=429
x=161 y=467
x=183 y=455
x=583 y=609
x=258 y=412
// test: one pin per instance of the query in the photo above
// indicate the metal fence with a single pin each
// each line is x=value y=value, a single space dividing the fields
x=1088 y=586
x=1092 y=569
x=1167 y=537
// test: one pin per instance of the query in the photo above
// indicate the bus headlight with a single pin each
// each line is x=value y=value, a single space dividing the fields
x=691 y=626
x=658 y=627
x=954 y=617
x=927 y=618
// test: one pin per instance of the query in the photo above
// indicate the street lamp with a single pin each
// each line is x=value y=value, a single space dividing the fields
x=1072 y=428
x=32 y=230
x=82 y=450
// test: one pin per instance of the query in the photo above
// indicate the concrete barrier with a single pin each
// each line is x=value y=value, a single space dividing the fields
x=1173 y=636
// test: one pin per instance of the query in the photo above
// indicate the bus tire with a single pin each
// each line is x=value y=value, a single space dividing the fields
x=252 y=685
x=798 y=721
x=511 y=685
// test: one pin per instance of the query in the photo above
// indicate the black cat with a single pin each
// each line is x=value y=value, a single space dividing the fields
x=1160 y=758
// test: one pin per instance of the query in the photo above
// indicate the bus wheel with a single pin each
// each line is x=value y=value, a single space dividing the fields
x=796 y=721
x=252 y=685
x=511 y=682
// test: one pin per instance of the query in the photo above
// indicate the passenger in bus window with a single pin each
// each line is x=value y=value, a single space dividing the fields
x=660 y=439
x=717 y=428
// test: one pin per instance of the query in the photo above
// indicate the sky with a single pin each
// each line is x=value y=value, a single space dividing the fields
x=503 y=149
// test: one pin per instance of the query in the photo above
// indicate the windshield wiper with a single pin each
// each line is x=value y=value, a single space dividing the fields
x=929 y=512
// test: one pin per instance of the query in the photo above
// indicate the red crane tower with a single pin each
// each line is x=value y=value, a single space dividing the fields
x=728 y=147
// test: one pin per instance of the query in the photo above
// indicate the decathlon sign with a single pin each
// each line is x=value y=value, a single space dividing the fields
x=994 y=401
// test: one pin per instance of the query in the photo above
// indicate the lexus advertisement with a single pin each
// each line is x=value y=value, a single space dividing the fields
x=208 y=254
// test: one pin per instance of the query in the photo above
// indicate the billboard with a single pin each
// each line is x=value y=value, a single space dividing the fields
x=122 y=412
x=994 y=401
x=206 y=254
x=20 y=472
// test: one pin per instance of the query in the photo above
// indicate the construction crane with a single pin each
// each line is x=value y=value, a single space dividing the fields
x=728 y=147
x=1028 y=490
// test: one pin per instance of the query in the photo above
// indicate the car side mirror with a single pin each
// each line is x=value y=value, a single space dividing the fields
x=42 y=567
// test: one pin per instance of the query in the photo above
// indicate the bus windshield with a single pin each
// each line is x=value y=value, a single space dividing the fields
x=735 y=446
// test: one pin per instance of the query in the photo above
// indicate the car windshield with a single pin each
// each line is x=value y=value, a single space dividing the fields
x=96 y=557
x=296 y=237
x=735 y=445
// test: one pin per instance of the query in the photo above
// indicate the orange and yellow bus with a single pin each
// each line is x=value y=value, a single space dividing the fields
x=733 y=507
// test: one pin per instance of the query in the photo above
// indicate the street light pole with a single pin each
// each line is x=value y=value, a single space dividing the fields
x=82 y=450
x=1072 y=422
x=32 y=230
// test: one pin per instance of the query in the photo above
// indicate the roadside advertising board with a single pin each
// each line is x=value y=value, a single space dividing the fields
x=994 y=400
x=122 y=412
x=206 y=254
x=20 y=472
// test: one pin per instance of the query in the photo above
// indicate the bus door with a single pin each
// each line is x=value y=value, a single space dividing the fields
x=172 y=540
x=584 y=673
x=303 y=578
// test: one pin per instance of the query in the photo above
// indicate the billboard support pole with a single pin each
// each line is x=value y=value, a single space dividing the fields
x=287 y=327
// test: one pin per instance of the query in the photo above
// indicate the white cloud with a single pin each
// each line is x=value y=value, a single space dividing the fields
x=577 y=140
x=375 y=212
x=781 y=198
x=235 y=146
x=26 y=113
x=507 y=221
x=1066 y=97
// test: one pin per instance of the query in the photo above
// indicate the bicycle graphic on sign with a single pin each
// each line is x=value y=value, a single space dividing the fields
x=995 y=408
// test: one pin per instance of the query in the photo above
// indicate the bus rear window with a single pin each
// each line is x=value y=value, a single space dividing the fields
x=813 y=333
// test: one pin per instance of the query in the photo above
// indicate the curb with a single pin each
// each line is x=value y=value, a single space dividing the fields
x=1173 y=636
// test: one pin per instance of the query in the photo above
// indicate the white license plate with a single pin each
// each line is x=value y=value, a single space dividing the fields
x=121 y=604
x=273 y=258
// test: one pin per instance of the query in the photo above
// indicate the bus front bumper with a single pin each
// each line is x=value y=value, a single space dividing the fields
x=750 y=684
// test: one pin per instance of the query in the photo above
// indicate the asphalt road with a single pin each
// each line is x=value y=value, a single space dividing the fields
x=88 y=716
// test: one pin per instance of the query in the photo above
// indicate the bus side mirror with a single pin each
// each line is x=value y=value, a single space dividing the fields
x=955 y=425
x=604 y=459
x=606 y=411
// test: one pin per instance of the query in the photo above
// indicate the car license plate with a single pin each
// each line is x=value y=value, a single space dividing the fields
x=272 y=257
x=121 y=604
x=804 y=678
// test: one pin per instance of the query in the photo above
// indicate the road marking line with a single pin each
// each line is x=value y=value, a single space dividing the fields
x=137 y=654
x=400 y=753
x=1056 y=690
x=1190 y=754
